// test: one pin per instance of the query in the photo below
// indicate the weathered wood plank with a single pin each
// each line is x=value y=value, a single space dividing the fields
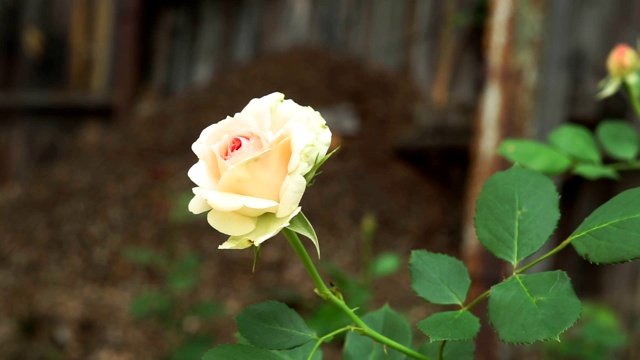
x=208 y=42
x=512 y=54
x=20 y=102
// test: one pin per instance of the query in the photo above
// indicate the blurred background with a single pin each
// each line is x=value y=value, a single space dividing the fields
x=100 y=101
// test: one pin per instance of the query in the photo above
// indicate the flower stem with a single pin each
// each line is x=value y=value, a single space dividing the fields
x=329 y=336
x=324 y=292
x=441 y=349
x=633 y=97
x=627 y=165
x=300 y=250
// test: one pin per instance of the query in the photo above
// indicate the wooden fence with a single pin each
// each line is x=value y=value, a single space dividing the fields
x=89 y=58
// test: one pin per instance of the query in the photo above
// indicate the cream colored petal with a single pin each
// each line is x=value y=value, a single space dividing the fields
x=244 y=205
x=260 y=176
x=310 y=140
x=210 y=164
x=286 y=111
x=259 y=110
x=219 y=201
x=200 y=174
x=230 y=125
x=198 y=205
x=231 y=223
x=220 y=165
x=291 y=193
x=300 y=138
x=256 y=212
x=268 y=226
x=203 y=151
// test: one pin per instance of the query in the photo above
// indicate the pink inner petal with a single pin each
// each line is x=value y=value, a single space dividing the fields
x=234 y=145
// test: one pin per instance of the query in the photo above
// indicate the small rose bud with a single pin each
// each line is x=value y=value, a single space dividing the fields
x=623 y=61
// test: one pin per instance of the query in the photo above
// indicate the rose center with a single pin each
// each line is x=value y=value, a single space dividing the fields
x=234 y=145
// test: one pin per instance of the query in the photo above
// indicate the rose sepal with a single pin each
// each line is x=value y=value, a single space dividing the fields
x=301 y=225
x=313 y=173
x=608 y=87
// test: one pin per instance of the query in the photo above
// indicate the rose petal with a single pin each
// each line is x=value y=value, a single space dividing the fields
x=229 y=126
x=198 y=205
x=220 y=165
x=310 y=140
x=291 y=193
x=202 y=150
x=260 y=176
x=243 y=205
x=260 y=110
x=268 y=226
x=286 y=111
x=200 y=174
x=231 y=223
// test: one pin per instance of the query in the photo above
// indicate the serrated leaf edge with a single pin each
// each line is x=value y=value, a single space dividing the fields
x=557 y=338
x=431 y=339
x=461 y=302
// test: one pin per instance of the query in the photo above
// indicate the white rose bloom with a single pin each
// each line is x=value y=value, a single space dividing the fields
x=250 y=173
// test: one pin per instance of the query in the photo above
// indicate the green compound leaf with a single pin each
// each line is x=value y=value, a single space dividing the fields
x=239 y=352
x=619 y=139
x=191 y=348
x=450 y=325
x=299 y=353
x=593 y=172
x=535 y=156
x=273 y=325
x=388 y=323
x=598 y=335
x=516 y=212
x=439 y=278
x=536 y=307
x=577 y=142
x=453 y=350
x=611 y=234
x=301 y=225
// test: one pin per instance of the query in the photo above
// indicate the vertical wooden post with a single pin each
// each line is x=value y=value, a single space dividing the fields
x=512 y=39
x=79 y=46
x=103 y=21
x=127 y=72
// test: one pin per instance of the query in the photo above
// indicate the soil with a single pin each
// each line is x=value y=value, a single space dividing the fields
x=66 y=287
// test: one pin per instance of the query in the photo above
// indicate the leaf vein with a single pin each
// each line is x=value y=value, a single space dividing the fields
x=573 y=237
x=526 y=291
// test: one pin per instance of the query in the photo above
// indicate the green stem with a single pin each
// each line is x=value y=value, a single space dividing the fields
x=545 y=256
x=293 y=239
x=476 y=300
x=633 y=97
x=627 y=165
x=441 y=349
x=329 y=336
x=326 y=294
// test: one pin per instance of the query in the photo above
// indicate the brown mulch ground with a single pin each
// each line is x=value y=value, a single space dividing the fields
x=65 y=287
